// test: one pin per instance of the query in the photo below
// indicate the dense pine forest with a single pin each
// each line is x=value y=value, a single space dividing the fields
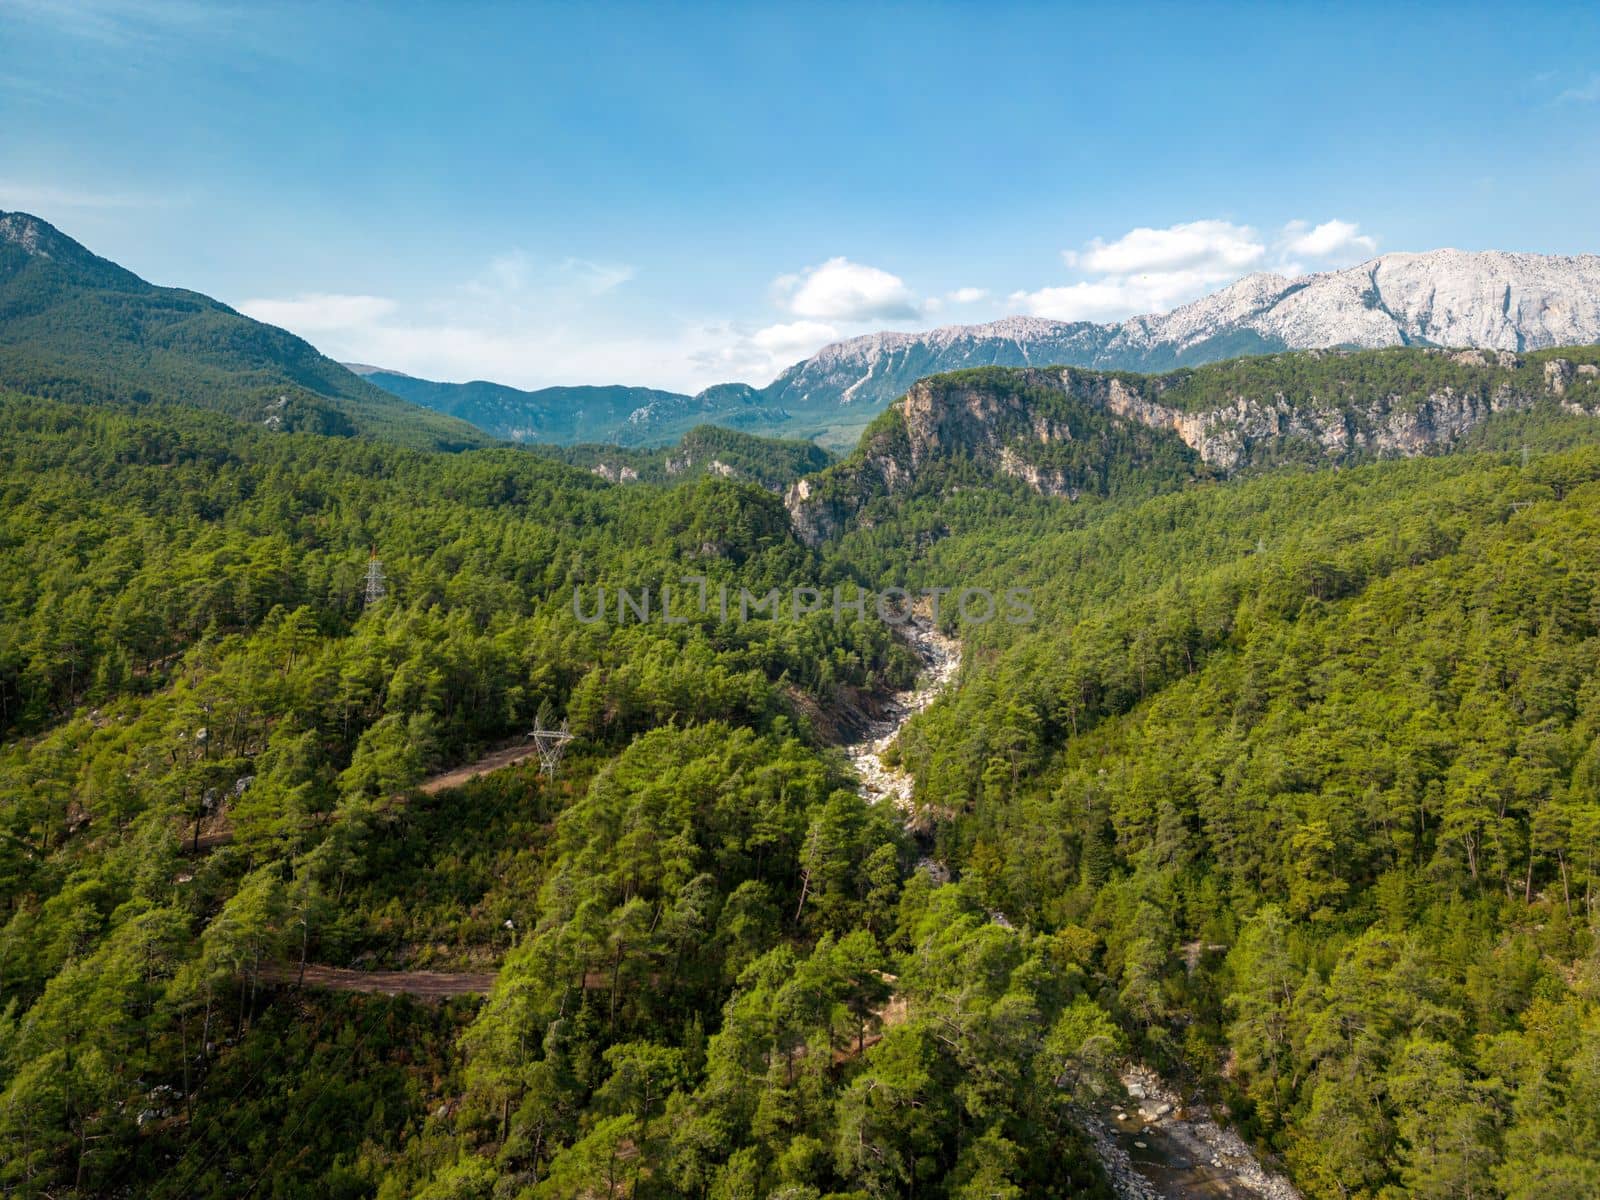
x=584 y=617
x=1290 y=792
x=1307 y=763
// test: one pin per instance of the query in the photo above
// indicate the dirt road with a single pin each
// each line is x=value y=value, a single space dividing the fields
x=499 y=760
x=219 y=832
x=424 y=985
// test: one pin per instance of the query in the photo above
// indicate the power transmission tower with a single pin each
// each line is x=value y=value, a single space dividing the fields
x=552 y=746
x=375 y=587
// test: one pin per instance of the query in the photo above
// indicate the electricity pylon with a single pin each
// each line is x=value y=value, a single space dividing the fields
x=551 y=745
x=375 y=587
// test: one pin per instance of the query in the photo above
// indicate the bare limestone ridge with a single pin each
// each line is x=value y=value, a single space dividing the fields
x=1490 y=300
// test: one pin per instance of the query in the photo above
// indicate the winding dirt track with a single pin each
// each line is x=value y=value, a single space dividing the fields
x=499 y=760
x=423 y=985
x=219 y=832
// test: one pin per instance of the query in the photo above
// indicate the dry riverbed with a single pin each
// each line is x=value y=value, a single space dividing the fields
x=941 y=659
x=1157 y=1146
x=1153 y=1146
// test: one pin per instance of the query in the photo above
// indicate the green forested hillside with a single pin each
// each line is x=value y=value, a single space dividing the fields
x=212 y=740
x=1290 y=791
x=609 y=414
x=133 y=537
x=1407 y=375
x=1309 y=761
x=74 y=326
x=553 y=415
x=774 y=463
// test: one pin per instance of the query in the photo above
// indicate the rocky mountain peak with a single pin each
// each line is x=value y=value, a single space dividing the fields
x=43 y=246
x=1493 y=300
x=38 y=238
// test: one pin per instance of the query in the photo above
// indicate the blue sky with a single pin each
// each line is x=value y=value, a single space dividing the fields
x=676 y=195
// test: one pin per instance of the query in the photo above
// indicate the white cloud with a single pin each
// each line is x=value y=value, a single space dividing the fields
x=320 y=312
x=597 y=278
x=737 y=353
x=515 y=276
x=119 y=22
x=1200 y=246
x=840 y=290
x=44 y=199
x=1116 y=297
x=540 y=355
x=1076 y=302
x=1328 y=240
x=533 y=351
x=1148 y=270
x=797 y=339
x=531 y=324
x=1586 y=93
x=1153 y=270
x=967 y=295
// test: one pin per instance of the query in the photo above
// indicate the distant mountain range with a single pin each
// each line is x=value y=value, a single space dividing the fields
x=1489 y=300
x=75 y=326
x=626 y=416
x=614 y=414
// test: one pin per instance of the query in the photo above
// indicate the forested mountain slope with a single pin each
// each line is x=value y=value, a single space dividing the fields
x=1308 y=761
x=1074 y=433
x=78 y=327
x=187 y=645
x=1288 y=790
x=705 y=450
x=554 y=415
x=614 y=414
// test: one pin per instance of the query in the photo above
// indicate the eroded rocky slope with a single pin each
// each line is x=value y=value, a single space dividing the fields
x=1050 y=427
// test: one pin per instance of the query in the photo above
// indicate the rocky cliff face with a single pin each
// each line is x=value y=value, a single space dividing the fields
x=1058 y=431
x=1251 y=427
x=1317 y=405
